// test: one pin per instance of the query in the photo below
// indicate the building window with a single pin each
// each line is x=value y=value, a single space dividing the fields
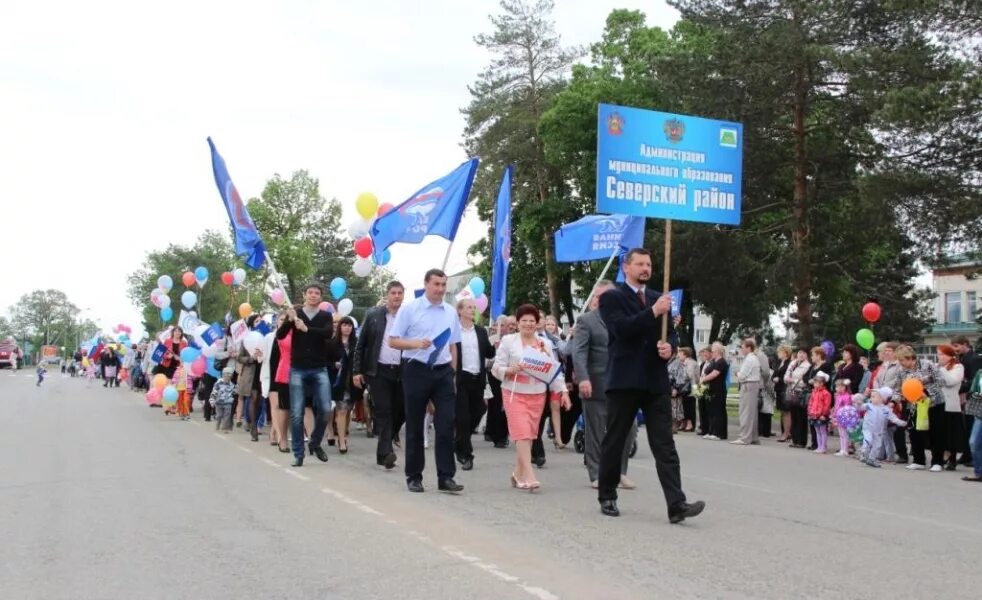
x=701 y=336
x=953 y=307
x=971 y=306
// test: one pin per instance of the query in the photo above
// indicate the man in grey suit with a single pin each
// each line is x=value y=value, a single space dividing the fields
x=589 y=368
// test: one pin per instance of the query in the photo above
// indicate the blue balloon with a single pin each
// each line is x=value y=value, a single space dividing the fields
x=210 y=369
x=166 y=314
x=386 y=257
x=189 y=354
x=477 y=286
x=170 y=395
x=201 y=274
x=189 y=299
x=338 y=287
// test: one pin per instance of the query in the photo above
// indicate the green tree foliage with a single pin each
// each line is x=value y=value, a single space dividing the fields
x=45 y=317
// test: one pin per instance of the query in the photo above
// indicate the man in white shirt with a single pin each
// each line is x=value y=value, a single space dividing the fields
x=473 y=353
x=427 y=331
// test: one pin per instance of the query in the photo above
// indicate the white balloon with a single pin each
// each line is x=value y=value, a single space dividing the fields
x=238 y=276
x=362 y=267
x=209 y=351
x=359 y=228
x=163 y=301
x=345 y=306
x=252 y=340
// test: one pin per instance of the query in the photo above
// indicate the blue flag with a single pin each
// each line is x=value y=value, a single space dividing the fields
x=158 y=353
x=676 y=302
x=597 y=236
x=247 y=240
x=502 y=246
x=438 y=343
x=436 y=209
x=213 y=334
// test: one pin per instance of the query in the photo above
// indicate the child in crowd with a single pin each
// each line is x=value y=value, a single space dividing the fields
x=41 y=373
x=842 y=398
x=819 y=406
x=875 y=422
x=222 y=397
x=183 y=384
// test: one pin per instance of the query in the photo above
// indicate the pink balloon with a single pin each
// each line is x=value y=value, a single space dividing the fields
x=155 y=395
x=482 y=303
x=277 y=296
x=326 y=306
x=199 y=366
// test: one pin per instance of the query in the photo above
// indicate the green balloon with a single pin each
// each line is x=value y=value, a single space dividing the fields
x=865 y=338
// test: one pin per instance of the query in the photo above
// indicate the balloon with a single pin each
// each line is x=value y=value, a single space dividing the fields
x=166 y=314
x=345 y=307
x=199 y=366
x=829 y=348
x=211 y=370
x=116 y=329
x=482 y=303
x=338 y=287
x=188 y=279
x=154 y=396
x=201 y=275
x=251 y=341
x=871 y=312
x=359 y=228
x=477 y=286
x=848 y=418
x=326 y=307
x=165 y=283
x=384 y=208
x=155 y=296
x=386 y=257
x=354 y=322
x=367 y=205
x=164 y=301
x=170 y=395
x=238 y=276
x=362 y=267
x=865 y=338
x=278 y=297
x=209 y=351
x=227 y=278
x=245 y=309
x=159 y=381
x=913 y=390
x=189 y=299
x=363 y=247
x=189 y=354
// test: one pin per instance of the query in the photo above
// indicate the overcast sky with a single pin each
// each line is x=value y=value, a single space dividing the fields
x=105 y=107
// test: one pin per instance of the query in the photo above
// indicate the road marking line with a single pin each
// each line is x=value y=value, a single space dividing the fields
x=933 y=522
x=297 y=475
x=195 y=423
x=221 y=436
x=493 y=569
x=244 y=449
x=270 y=462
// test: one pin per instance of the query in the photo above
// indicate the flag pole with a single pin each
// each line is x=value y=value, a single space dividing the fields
x=276 y=274
x=666 y=275
x=446 y=257
x=603 y=273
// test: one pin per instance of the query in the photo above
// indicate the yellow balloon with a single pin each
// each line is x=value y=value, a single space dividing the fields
x=85 y=362
x=245 y=309
x=367 y=205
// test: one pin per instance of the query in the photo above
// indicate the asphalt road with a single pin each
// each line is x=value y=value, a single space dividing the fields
x=101 y=497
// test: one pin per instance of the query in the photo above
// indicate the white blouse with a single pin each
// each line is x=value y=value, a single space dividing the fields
x=950 y=381
x=510 y=354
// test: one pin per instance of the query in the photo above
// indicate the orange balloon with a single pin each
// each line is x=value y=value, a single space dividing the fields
x=245 y=309
x=188 y=279
x=160 y=381
x=913 y=390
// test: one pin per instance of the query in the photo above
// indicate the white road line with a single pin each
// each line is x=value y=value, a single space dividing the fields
x=493 y=569
x=244 y=449
x=195 y=423
x=932 y=522
x=270 y=462
x=221 y=436
x=297 y=475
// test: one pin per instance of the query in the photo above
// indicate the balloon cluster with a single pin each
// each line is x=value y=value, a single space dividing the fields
x=477 y=287
x=369 y=209
x=848 y=417
x=865 y=336
x=234 y=277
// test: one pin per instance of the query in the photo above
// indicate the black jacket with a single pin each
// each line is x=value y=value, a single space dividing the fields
x=365 y=360
x=972 y=363
x=632 y=358
x=484 y=348
x=309 y=348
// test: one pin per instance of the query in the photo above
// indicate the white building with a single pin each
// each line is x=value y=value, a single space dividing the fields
x=958 y=302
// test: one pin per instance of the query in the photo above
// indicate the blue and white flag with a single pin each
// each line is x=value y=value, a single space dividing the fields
x=247 y=240
x=502 y=246
x=596 y=237
x=436 y=209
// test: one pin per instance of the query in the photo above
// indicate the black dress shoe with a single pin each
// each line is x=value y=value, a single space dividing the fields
x=539 y=461
x=319 y=453
x=388 y=461
x=468 y=464
x=449 y=485
x=609 y=508
x=297 y=461
x=501 y=444
x=415 y=486
x=680 y=511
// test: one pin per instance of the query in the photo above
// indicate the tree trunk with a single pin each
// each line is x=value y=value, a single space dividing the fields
x=799 y=215
x=714 y=326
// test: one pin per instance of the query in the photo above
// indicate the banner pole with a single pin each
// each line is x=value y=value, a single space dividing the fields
x=446 y=257
x=666 y=276
x=586 y=305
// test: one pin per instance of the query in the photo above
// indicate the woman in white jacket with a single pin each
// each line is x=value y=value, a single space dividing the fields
x=951 y=373
x=524 y=395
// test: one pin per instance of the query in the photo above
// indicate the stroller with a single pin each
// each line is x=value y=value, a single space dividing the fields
x=580 y=445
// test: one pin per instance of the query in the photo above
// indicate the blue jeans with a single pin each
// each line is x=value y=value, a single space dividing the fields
x=975 y=444
x=317 y=381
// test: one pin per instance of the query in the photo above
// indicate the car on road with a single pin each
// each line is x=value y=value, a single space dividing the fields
x=10 y=354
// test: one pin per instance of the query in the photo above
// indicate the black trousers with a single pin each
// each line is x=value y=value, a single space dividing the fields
x=764 y=422
x=496 y=426
x=204 y=393
x=799 y=425
x=703 y=405
x=622 y=407
x=718 y=420
x=919 y=442
x=568 y=417
x=689 y=409
x=538 y=448
x=421 y=385
x=389 y=407
x=469 y=410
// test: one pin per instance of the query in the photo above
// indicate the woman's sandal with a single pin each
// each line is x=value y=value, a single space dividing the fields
x=972 y=478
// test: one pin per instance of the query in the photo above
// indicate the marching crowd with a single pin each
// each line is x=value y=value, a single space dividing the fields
x=422 y=364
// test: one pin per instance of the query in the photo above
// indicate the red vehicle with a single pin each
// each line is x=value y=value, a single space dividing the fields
x=10 y=354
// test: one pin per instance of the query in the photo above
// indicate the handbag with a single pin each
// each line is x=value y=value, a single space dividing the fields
x=973 y=405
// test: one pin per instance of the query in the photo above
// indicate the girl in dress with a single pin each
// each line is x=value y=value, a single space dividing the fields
x=842 y=398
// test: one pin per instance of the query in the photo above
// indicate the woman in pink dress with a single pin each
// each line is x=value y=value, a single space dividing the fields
x=525 y=395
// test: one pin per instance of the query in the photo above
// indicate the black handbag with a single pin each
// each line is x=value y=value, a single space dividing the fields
x=973 y=405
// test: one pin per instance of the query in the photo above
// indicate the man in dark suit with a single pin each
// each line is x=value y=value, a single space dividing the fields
x=637 y=378
x=473 y=352
x=378 y=365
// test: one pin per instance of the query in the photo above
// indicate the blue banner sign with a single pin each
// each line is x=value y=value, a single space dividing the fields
x=668 y=166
